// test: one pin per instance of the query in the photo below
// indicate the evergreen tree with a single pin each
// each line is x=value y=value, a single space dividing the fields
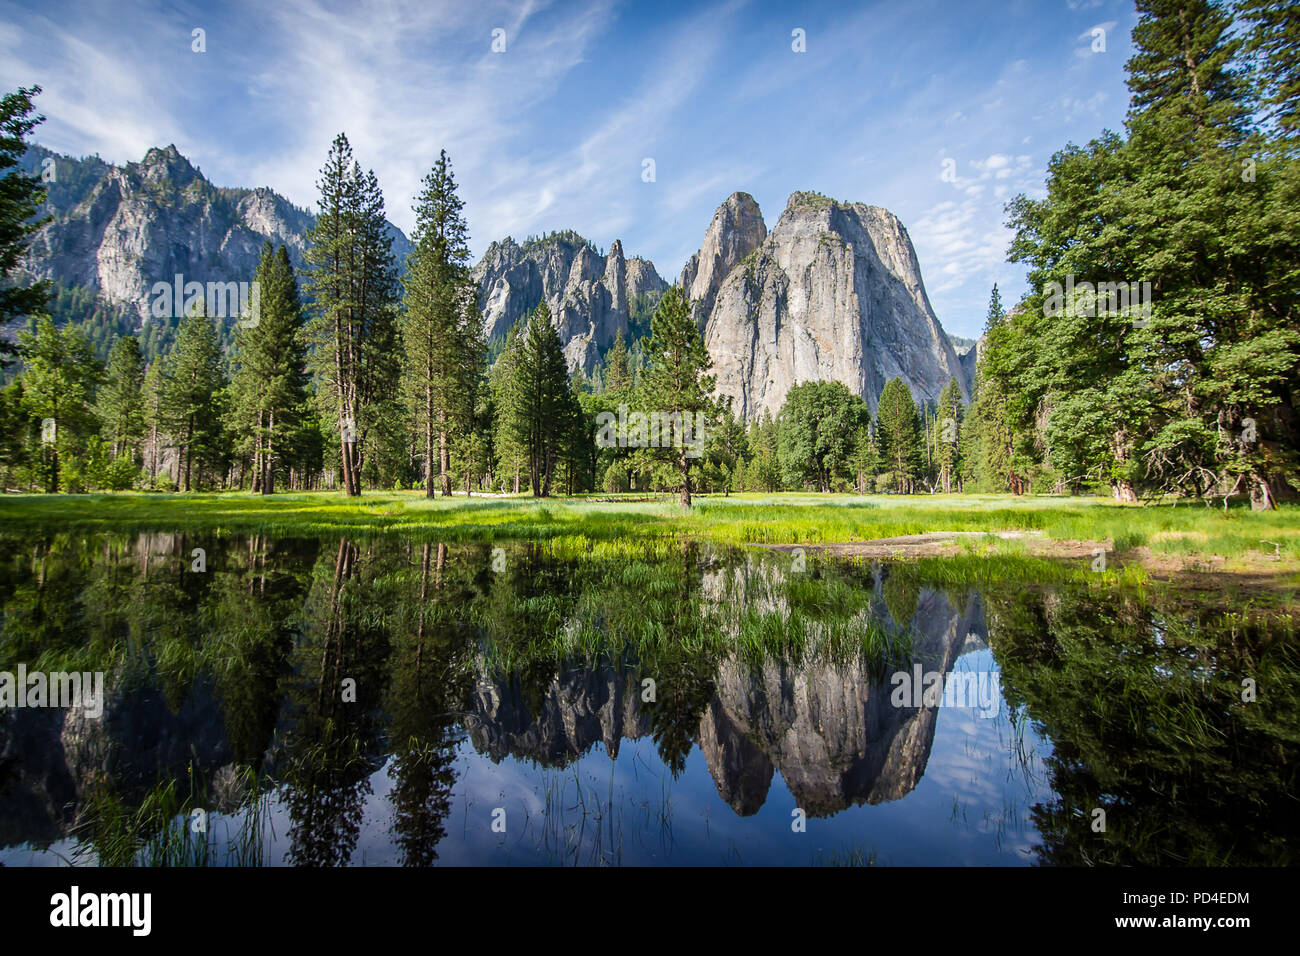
x=13 y=433
x=899 y=433
x=441 y=329
x=21 y=198
x=154 y=424
x=119 y=404
x=534 y=402
x=764 y=469
x=352 y=282
x=59 y=379
x=727 y=447
x=269 y=381
x=677 y=380
x=949 y=419
x=1166 y=403
x=618 y=368
x=1274 y=47
x=190 y=395
x=509 y=435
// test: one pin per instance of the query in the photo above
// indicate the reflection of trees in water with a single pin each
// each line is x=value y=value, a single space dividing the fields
x=431 y=680
x=243 y=666
x=683 y=682
x=192 y=662
x=335 y=745
x=1143 y=706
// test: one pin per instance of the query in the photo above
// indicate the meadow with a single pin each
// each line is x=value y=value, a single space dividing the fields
x=1164 y=535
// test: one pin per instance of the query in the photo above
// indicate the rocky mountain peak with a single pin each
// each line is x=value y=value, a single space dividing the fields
x=167 y=164
x=118 y=231
x=591 y=297
x=737 y=229
x=833 y=293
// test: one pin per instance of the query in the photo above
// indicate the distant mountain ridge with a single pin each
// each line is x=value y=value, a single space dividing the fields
x=832 y=293
x=118 y=230
x=591 y=297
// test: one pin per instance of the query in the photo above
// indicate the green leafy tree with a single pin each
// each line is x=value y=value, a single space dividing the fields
x=818 y=427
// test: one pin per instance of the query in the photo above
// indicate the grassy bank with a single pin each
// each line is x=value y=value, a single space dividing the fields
x=1176 y=533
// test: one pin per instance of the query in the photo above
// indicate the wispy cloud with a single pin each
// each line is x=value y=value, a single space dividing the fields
x=552 y=132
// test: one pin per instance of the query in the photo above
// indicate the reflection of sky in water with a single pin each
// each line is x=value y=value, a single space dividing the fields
x=971 y=806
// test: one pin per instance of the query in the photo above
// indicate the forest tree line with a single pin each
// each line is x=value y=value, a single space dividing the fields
x=359 y=376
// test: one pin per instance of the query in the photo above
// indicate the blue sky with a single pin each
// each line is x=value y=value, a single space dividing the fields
x=553 y=132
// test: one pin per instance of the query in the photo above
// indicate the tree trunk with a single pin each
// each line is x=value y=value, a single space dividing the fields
x=1261 y=494
x=1123 y=491
x=685 y=464
x=257 y=457
x=428 y=455
x=268 y=458
x=189 y=445
x=444 y=463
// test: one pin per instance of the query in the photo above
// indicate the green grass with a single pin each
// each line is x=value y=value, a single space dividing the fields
x=629 y=527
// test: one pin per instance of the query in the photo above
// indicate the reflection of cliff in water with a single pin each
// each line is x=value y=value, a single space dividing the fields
x=827 y=726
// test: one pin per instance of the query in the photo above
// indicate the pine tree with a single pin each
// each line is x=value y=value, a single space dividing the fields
x=949 y=420
x=1181 y=78
x=677 y=380
x=727 y=447
x=59 y=378
x=155 y=427
x=618 y=369
x=119 y=404
x=1274 y=46
x=899 y=433
x=190 y=398
x=352 y=282
x=21 y=198
x=510 y=430
x=542 y=398
x=764 y=470
x=440 y=328
x=269 y=381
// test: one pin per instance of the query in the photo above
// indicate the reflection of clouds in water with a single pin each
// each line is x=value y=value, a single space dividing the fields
x=972 y=762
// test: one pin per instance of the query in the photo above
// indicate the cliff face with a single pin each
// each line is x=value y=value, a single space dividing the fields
x=120 y=229
x=591 y=297
x=737 y=230
x=833 y=293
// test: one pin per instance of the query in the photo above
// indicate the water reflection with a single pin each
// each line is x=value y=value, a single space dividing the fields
x=385 y=701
